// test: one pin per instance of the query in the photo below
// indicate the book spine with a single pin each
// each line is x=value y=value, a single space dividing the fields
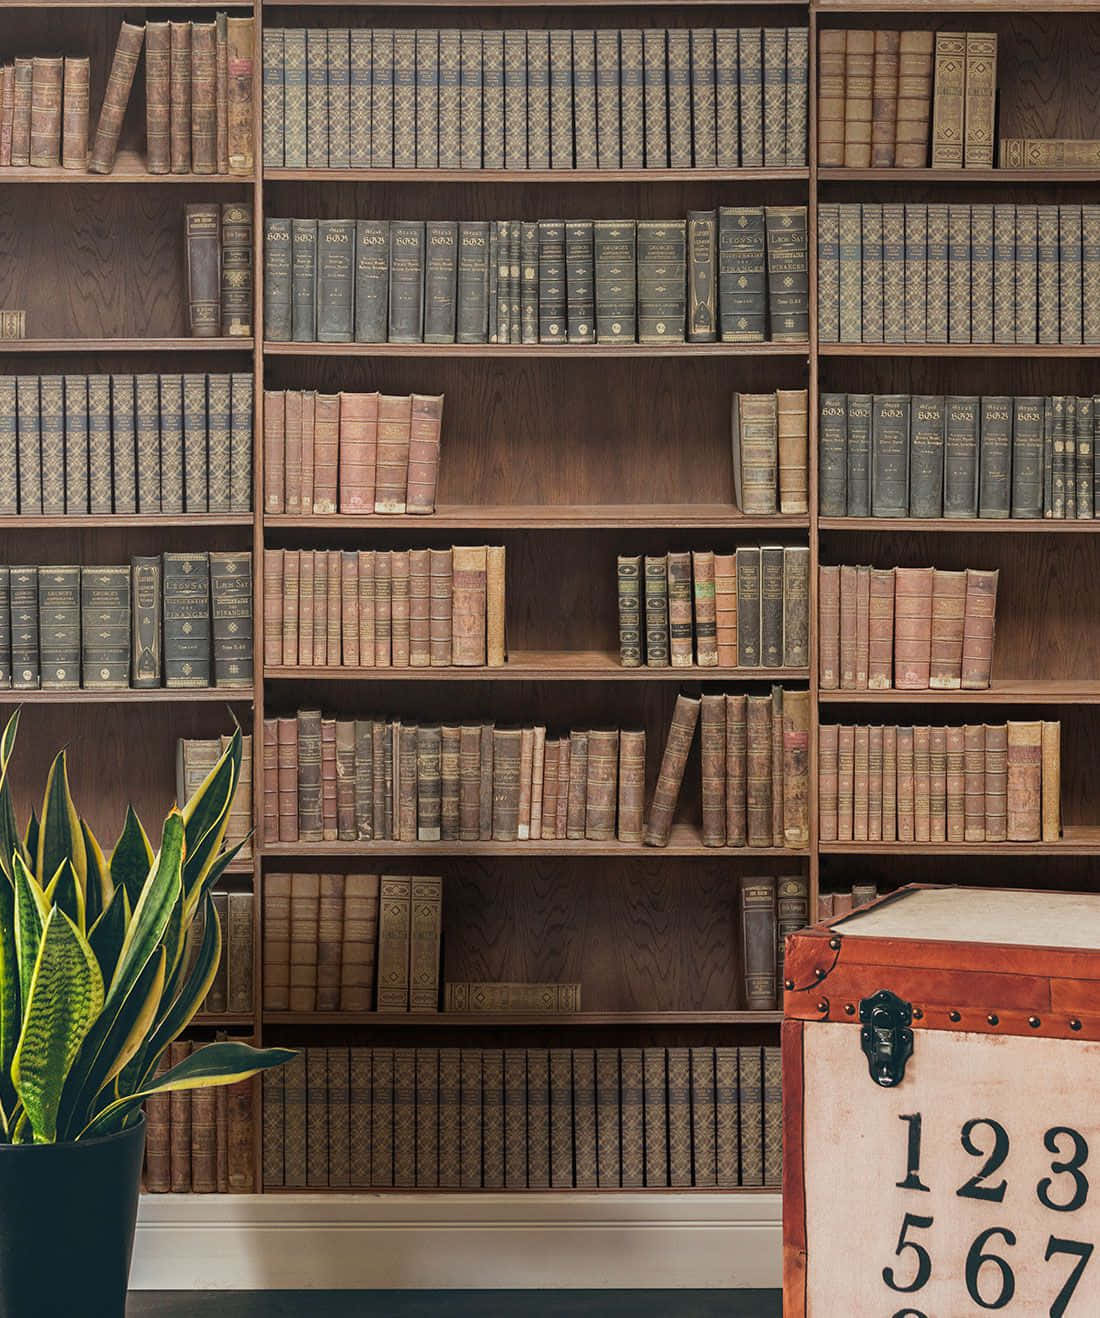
x=608 y=100
x=890 y=455
x=105 y=627
x=679 y=98
x=995 y=464
x=218 y=449
x=470 y=76
x=977 y=647
x=673 y=763
x=492 y=79
x=884 y=98
x=335 y=276
x=561 y=99
x=758 y=935
x=981 y=92
x=52 y=441
x=74 y=112
x=655 y=82
x=948 y=103
x=552 y=310
x=231 y=617
x=926 y=456
x=406 y=289
x=186 y=620
x=713 y=753
x=538 y=100
x=1024 y=761
x=788 y=274
x=859 y=70
x=146 y=622
x=797 y=87
x=748 y=607
x=372 y=274
x=914 y=99
x=948 y=608
x=702 y=248
x=632 y=85
x=203 y=250
x=116 y=97
x=750 y=78
x=59 y=627
x=831 y=58
x=440 y=280
x=45 y=136
x=912 y=627
x=472 y=282
x=742 y=279
x=274 y=102
x=515 y=99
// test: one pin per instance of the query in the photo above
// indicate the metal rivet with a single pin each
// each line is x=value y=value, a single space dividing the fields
x=918 y=1015
x=1075 y=1024
x=954 y=1016
x=788 y=984
x=834 y=943
x=823 y=1005
x=849 y=1008
x=993 y=1019
x=1034 y=1022
x=819 y=973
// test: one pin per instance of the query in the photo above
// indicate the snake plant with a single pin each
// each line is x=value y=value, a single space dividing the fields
x=103 y=962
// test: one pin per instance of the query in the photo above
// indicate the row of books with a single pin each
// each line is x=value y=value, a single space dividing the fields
x=473 y=99
x=44 y=102
x=231 y=990
x=747 y=609
x=218 y=248
x=916 y=273
x=770 y=908
x=923 y=455
x=103 y=444
x=351 y=453
x=738 y=274
x=195 y=759
x=770 y=452
x=405 y=608
x=336 y=942
x=516 y=1118
x=875 y=98
x=199 y=1140
x=979 y=783
x=832 y=905
x=175 y=620
x=906 y=628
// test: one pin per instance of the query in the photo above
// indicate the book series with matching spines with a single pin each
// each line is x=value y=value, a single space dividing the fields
x=218 y=251
x=524 y=1118
x=198 y=102
x=196 y=757
x=917 y=272
x=768 y=437
x=959 y=456
x=738 y=274
x=992 y=782
x=681 y=98
x=75 y=445
x=200 y=1141
x=378 y=608
x=231 y=990
x=905 y=628
x=770 y=908
x=351 y=453
x=876 y=107
x=179 y=620
x=842 y=901
x=328 y=779
x=745 y=609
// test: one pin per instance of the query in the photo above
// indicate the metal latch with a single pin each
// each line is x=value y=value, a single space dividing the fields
x=886 y=1037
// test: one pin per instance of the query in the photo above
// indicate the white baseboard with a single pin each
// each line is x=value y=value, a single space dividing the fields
x=459 y=1241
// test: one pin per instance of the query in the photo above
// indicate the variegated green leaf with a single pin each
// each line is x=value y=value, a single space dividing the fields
x=132 y=857
x=10 y=1016
x=206 y=815
x=154 y=908
x=65 y=998
x=99 y=886
x=9 y=831
x=31 y=910
x=30 y=842
x=188 y=999
x=216 y=1064
x=65 y=891
x=60 y=836
x=107 y=934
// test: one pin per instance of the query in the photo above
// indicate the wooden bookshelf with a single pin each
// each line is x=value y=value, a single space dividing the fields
x=569 y=453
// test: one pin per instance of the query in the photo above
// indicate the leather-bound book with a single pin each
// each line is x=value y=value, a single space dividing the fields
x=679 y=609
x=7 y=113
x=712 y=741
x=955 y=750
x=310 y=807
x=681 y=733
x=981 y=94
x=394 y=435
x=889 y=783
x=922 y=783
x=880 y=664
x=496 y=647
x=46 y=78
x=21 y=112
x=996 y=782
x=440 y=588
x=485 y=794
x=828 y=607
x=656 y=611
x=748 y=607
x=845 y=783
x=179 y=97
x=358 y=451
x=25 y=669
x=758 y=771
x=608 y=1118
x=338 y=1095
x=796 y=752
x=305 y=896
x=628 y=573
x=702 y=1128
x=116 y=97
x=679 y=1116
x=348 y=650
x=424 y=938
x=469 y=782
x=221 y=91
x=291 y=577
x=399 y=607
x=771 y=606
x=777 y=766
x=631 y=1109
x=231 y=618
x=615 y=259
x=383 y=618
x=550 y=789
x=914 y=99
x=287 y=771
x=429 y=782
x=1025 y=781
x=105 y=631
x=827 y=782
x=977 y=644
x=359 y=939
x=394 y=929
x=425 y=427
x=926 y=456
x=601 y=766
x=792 y=904
x=948 y=605
x=755 y=439
x=849 y=626
x=158 y=1126
x=505 y=760
x=419 y=609
x=725 y=603
x=538 y=770
x=408 y=784
x=1051 y=781
x=974 y=783
x=830 y=97
x=758 y=940
x=468 y=605
x=179 y=1102
x=861 y=783
x=274 y=451
x=203 y=234
x=450 y=736
x=874 y=784
x=74 y=113
x=241 y=79
x=236 y=270
x=859 y=68
x=884 y=98
x=706 y=622
x=948 y=101
x=364 y=780
x=736 y=770
x=655 y=1115
x=372 y=272
x=345 y=780
x=791 y=414
x=906 y=784
x=204 y=155
x=270 y=815
x=912 y=627
x=578 y=780
x=303 y=284
x=631 y=786
x=59 y=627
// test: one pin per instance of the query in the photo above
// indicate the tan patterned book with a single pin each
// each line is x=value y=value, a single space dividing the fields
x=977 y=644
x=305 y=896
x=859 y=66
x=492 y=1119
x=404 y=1117
x=425 y=933
x=470 y=1115
x=359 y=1116
x=1052 y=781
x=394 y=927
x=981 y=96
x=538 y=1119
x=681 y=733
x=608 y=1119
x=586 y=1172
x=914 y=99
x=1024 y=782
x=703 y=1115
x=381 y=1126
x=427 y=1116
x=912 y=627
x=884 y=98
x=515 y=1118
x=359 y=940
x=948 y=608
x=512 y=997
x=449 y=1109
x=948 y=101
x=655 y=1116
x=116 y=97
x=830 y=97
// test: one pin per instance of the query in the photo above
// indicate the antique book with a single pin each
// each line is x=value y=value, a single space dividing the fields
x=796 y=750
x=884 y=97
x=749 y=609
x=203 y=251
x=912 y=627
x=678 y=41
x=771 y=605
x=392 y=453
x=758 y=933
x=755 y=443
x=45 y=133
x=788 y=274
x=146 y=621
x=681 y=733
x=977 y=645
x=305 y=892
x=608 y=99
x=680 y=609
x=394 y=931
x=1051 y=781
x=74 y=112
x=791 y=415
x=654 y=1114
x=981 y=92
x=632 y=1117
x=880 y=630
x=736 y=770
x=949 y=98
x=758 y=771
x=828 y=768
x=469 y=605
x=105 y=627
x=948 y=608
x=358 y=451
x=116 y=97
x=742 y=279
x=231 y=618
x=914 y=99
x=1024 y=782
x=204 y=98
x=859 y=71
x=425 y=929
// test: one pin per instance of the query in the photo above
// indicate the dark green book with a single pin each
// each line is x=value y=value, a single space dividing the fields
x=339 y=98
x=771 y=606
x=99 y=452
x=538 y=100
x=5 y=627
x=608 y=100
x=372 y=280
x=195 y=471
x=23 y=596
x=1048 y=457
x=995 y=458
x=1058 y=458
x=52 y=419
x=561 y=99
x=1086 y=458
x=406 y=281
x=656 y=611
x=440 y=280
x=515 y=99
x=788 y=274
x=515 y=281
x=494 y=279
x=702 y=254
x=742 y=277
x=1071 y=458
x=105 y=627
x=584 y=99
x=492 y=83
x=186 y=606
x=471 y=98
x=529 y=282
x=503 y=229
x=145 y=600
x=655 y=65
x=278 y=322
x=231 y=618
x=859 y=455
x=303 y=282
x=960 y=457
x=335 y=280
x=59 y=627
x=748 y=606
x=833 y=464
x=890 y=455
x=553 y=313
x=427 y=98
x=381 y=127
x=171 y=443
x=580 y=288
x=1027 y=457
x=614 y=255
x=404 y=99
x=679 y=98
x=472 y=295
x=661 y=248
x=76 y=444
x=926 y=456
x=30 y=442
x=317 y=98
x=632 y=87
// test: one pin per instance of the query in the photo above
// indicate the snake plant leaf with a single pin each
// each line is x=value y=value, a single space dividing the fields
x=222 y=1063
x=153 y=910
x=30 y=841
x=220 y=864
x=132 y=857
x=190 y=997
x=31 y=911
x=65 y=998
x=10 y=841
x=65 y=891
x=99 y=886
x=60 y=836
x=206 y=815
x=10 y=1017
x=107 y=934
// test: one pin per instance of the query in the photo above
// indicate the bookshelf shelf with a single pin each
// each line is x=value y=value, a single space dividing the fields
x=487 y=177
x=125 y=521
x=241 y=345
x=505 y=1020
x=968 y=525
x=950 y=350
x=543 y=666
x=943 y=177
x=549 y=351
x=1004 y=691
x=129 y=168
x=547 y=517
x=1079 y=840
x=157 y=696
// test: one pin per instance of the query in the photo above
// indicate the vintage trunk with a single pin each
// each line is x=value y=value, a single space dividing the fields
x=941 y=1065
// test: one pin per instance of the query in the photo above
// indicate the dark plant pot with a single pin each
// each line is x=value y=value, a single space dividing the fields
x=67 y=1218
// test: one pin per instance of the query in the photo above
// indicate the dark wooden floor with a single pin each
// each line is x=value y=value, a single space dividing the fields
x=455 y=1304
